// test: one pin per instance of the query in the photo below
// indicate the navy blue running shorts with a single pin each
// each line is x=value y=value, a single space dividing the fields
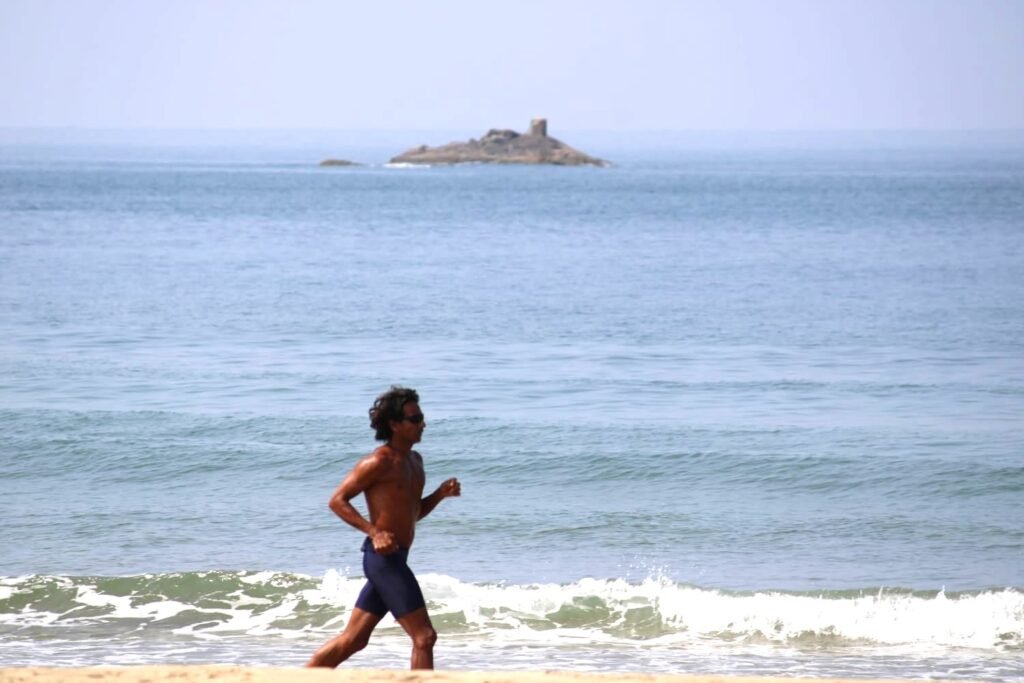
x=390 y=584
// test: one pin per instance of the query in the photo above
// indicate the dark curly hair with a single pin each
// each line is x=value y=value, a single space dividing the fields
x=388 y=407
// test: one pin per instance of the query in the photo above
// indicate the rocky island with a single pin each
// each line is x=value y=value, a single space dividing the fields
x=503 y=147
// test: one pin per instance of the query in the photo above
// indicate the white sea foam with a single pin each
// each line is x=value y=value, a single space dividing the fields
x=653 y=613
x=985 y=620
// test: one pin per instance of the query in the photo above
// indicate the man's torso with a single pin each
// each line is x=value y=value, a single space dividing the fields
x=394 y=499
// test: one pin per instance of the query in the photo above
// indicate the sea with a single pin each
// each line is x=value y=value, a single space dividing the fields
x=748 y=405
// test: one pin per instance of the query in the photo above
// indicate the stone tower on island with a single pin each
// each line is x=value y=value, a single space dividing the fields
x=539 y=127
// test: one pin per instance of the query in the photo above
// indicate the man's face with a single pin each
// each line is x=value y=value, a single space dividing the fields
x=411 y=428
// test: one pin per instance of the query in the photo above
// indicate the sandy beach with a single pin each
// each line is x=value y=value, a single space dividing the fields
x=231 y=674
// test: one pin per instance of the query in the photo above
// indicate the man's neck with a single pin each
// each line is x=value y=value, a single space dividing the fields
x=400 y=446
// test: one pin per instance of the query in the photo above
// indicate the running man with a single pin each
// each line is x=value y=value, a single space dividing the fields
x=392 y=479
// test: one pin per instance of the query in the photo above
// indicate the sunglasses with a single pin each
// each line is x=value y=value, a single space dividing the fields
x=415 y=419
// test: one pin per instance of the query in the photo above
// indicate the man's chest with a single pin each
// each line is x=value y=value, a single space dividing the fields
x=408 y=478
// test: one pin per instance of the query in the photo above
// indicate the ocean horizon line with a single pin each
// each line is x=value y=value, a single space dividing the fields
x=641 y=137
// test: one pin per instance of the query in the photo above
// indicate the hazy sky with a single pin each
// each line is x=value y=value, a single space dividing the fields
x=593 y=64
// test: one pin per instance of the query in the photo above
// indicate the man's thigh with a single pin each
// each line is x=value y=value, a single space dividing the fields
x=396 y=586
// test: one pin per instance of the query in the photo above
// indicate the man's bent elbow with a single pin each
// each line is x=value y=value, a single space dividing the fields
x=337 y=504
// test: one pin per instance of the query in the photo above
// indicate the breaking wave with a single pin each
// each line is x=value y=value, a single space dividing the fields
x=220 y=604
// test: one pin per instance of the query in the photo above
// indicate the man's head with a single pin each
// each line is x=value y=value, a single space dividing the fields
x=396 y=405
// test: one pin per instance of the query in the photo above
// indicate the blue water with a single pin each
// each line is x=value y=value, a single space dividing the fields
x=738 y=410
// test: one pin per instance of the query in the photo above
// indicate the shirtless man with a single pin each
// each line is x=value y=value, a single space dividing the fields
x=391 y=478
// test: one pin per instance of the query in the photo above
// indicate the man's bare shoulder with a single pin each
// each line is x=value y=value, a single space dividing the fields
x=379 y=461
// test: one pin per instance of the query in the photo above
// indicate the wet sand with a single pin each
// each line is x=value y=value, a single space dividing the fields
x=231 y=674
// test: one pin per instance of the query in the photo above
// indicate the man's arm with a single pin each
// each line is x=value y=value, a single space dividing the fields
x=367 y=471
x=450 y=487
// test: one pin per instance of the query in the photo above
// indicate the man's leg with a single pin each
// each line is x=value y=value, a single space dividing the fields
x=353 y=639
x=417 y=625
x=399 y=592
